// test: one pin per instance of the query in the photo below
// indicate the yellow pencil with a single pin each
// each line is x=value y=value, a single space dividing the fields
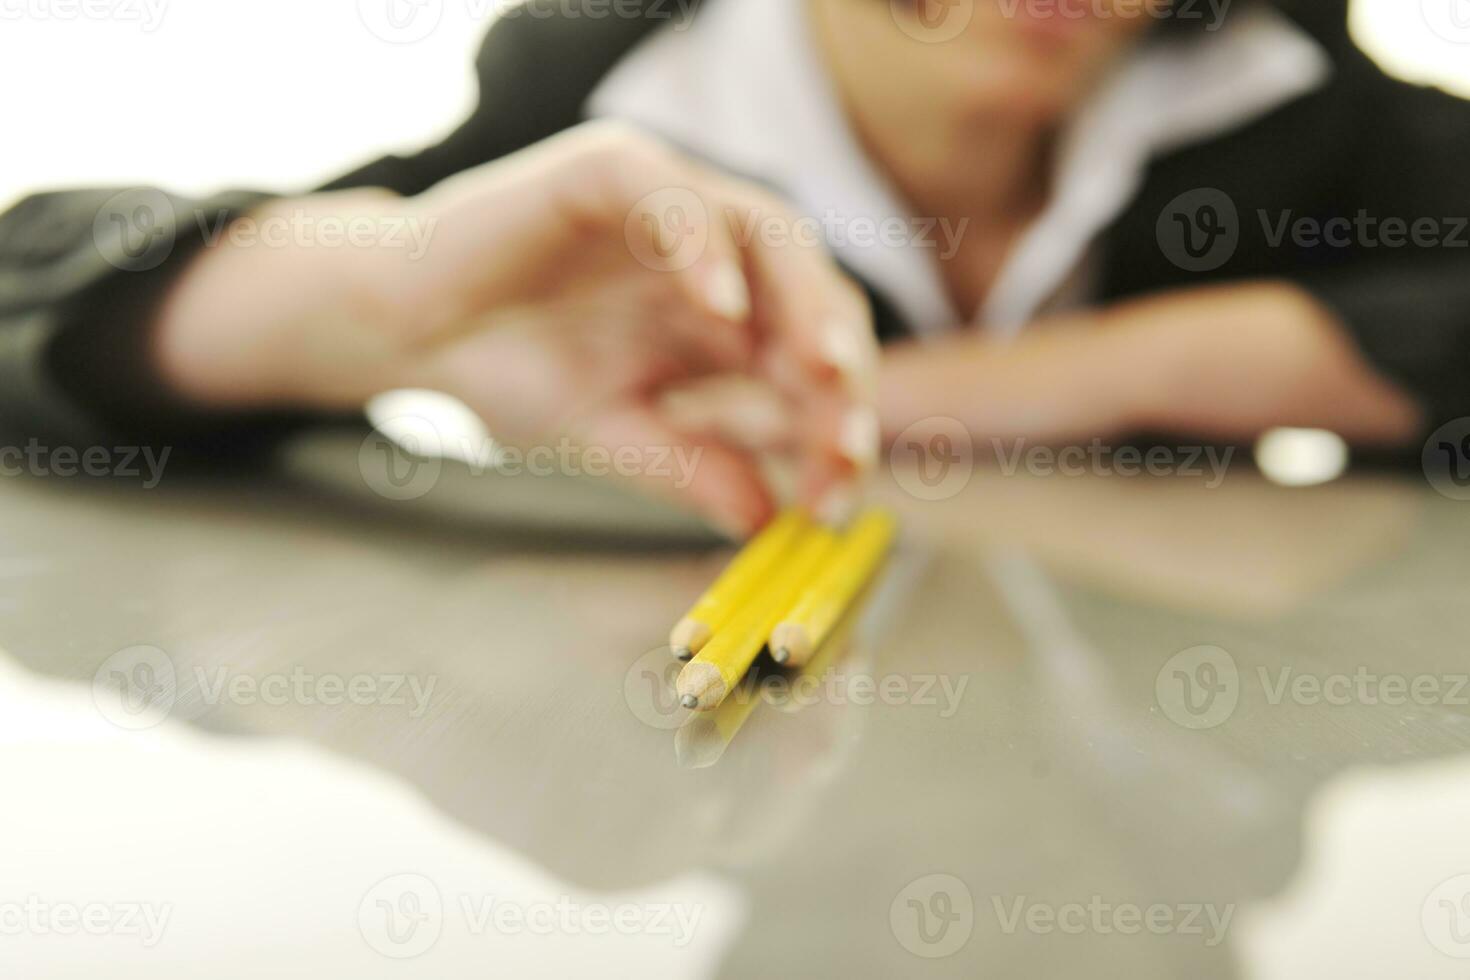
x=705 y=680
x=755 y=562
x=834 y=648
x=828 y=595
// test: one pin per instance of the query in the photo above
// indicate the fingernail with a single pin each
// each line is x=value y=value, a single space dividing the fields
x=727 y=293
x=844 y=351
x=859 y=437
x=838 y=506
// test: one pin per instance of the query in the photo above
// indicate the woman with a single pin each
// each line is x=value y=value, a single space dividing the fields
x=1121 y=186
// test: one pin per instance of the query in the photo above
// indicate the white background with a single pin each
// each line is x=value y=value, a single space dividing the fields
x=280 y=94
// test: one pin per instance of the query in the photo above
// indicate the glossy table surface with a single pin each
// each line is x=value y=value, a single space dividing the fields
x=1084 y=726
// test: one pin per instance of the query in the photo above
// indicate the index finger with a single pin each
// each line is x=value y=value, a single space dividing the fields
x=818 y=344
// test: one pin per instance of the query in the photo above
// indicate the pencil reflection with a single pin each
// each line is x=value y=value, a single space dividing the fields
x=702 y=741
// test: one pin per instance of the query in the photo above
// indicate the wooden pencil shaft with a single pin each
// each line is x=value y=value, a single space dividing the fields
x=829 y=594
x=735 y=647
x=737 y=582
x=689 y=635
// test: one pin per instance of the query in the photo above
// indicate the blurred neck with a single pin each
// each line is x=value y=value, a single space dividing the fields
x=990 y=164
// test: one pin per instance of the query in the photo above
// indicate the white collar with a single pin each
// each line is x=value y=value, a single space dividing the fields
x=743 y=86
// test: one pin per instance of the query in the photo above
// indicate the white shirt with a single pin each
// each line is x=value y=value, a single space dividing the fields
x=745 y=87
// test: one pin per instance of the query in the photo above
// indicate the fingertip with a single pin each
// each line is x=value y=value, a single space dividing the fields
x=838 y=506
x=831 y=491
x=730 y=492
x=725 y=291
x=859 y=436
x=739 y=520
x=846 y=349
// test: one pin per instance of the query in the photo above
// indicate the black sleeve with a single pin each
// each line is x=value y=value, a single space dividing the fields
x=81 y=274
x=1407 y=303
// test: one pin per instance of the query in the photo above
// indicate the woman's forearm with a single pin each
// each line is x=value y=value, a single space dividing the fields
x=1230 y=363
x=1225 y=363
x=249 y=322
x=1068 y=379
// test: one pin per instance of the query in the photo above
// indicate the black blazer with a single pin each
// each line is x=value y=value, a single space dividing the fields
x=71 y=351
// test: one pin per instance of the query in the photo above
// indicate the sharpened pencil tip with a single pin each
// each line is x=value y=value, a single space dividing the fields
x=683 y=653
x=689 y=701
x=780 y=655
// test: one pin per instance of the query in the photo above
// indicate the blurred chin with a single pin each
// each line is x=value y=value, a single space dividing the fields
x=1045 y=71
x=1024 y=85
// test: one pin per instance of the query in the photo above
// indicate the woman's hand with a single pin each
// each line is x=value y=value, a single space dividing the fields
x=563 y=291
x=1224 y=363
